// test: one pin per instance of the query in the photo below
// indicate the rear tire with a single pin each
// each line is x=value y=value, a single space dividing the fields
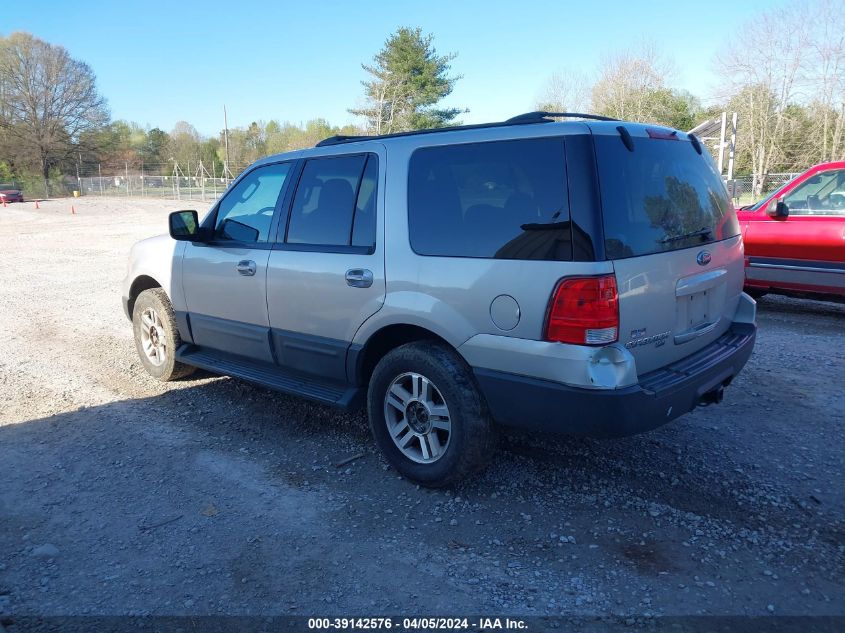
x=157 y=336
x=756 y=293
x=428 y=416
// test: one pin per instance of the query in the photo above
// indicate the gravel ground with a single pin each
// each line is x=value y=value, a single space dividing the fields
x=120 y=495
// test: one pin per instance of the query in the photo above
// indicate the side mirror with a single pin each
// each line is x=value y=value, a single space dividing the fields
x=184 y=225
x=778 y=210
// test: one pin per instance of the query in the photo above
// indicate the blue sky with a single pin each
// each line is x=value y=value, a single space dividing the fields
x=161 y=62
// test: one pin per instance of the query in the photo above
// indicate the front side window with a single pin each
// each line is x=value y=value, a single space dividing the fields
x=821 y=194
x=335 y=202
x=246 y=212
x=499 y=200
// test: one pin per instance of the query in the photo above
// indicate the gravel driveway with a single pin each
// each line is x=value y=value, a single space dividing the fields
x=120 y=495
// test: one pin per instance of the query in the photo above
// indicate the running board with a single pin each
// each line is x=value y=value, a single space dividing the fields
x=271 y=376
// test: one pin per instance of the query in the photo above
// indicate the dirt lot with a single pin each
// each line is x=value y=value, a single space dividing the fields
x=123 y=496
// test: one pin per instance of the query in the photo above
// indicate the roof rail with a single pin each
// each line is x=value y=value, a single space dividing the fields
x=522 y=119
x=541 y=116
x=341 y=138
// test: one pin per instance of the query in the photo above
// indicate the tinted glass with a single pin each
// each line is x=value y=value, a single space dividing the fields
x=821 y=194
x=246 y=212
x=364 y=224
x=502 y=200
x=663 y=196
x=325 y=201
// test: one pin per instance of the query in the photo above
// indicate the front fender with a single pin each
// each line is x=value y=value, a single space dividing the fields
x=159 y=258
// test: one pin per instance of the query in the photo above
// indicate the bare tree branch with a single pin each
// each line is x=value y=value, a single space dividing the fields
x=47 y=98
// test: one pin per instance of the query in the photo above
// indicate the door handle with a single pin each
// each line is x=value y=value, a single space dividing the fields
x=359 y=278
x=246 y=267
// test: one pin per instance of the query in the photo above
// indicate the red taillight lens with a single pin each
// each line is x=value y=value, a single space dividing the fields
x=584 y=311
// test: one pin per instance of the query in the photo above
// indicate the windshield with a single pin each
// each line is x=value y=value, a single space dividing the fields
x=663 y=196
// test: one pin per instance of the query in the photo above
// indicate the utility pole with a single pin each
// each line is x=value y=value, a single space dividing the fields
x=226 y=137
x=214 y=176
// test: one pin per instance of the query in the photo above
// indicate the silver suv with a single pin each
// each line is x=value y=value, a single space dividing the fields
x=580 y=277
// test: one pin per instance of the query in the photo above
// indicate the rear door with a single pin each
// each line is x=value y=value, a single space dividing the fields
x=673 y=237
x=326 y=274
x=805 y=250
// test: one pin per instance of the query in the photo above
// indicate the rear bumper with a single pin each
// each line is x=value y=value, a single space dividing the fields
x=659 y=397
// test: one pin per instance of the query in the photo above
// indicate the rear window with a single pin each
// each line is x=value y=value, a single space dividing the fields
x=499 y=200
x=663 y=196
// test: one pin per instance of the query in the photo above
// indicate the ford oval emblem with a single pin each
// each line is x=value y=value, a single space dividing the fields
x=703 y=258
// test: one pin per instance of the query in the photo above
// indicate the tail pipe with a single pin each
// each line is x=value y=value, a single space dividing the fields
x=714 y=396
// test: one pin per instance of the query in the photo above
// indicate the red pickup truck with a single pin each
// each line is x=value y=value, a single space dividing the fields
x=795 y=238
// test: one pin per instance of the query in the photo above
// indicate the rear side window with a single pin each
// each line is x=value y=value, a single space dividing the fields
x=364 y=222
x=663 y=196
x=499 y=200
x=335 y=202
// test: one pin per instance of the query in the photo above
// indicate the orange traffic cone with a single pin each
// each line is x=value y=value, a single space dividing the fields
x=36 y=205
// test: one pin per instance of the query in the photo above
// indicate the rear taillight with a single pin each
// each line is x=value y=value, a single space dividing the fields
x=584 y=311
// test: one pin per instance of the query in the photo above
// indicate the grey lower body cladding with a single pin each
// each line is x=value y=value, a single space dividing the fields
x=660 y=396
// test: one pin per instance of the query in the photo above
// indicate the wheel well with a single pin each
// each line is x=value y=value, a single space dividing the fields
x=386 y=339
x=138 y=286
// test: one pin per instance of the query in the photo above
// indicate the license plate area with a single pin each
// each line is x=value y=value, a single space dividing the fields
x=699 y=308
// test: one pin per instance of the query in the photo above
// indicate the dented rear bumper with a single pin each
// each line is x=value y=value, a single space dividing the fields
x=659 y=396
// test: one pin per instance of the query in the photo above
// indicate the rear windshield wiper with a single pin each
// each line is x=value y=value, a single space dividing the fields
x=545 y=226
x=702 y=232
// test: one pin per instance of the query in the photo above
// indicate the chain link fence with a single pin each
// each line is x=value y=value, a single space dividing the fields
x=196 y=181
x=741 y=189
x=192 y=181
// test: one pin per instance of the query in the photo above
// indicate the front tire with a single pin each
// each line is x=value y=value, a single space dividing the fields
x=157 y=336
x=428 y=416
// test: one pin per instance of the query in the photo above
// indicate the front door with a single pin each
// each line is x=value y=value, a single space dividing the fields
x=326 y=275
x=225 y=280
x=806 y=250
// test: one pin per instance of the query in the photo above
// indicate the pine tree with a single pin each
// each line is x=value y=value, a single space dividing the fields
x=408 y=79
